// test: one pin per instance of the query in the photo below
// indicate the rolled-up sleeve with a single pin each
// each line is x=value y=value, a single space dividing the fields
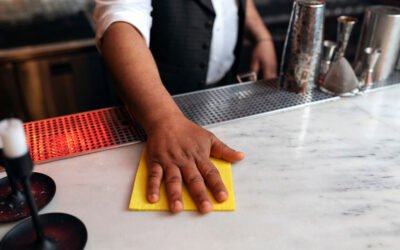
x=135 y=12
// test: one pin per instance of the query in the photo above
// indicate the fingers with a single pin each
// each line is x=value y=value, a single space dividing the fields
x=173 y=183
x=213 y=180
x=186 y=158
x=264 y=60
x=255 y=65
x=196 y=179
x=155 y=174
x=197 y=189
x=222 y=151
x=270 y=69
x=269 y=73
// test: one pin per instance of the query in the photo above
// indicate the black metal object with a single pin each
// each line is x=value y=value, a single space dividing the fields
x=46 y=232
x=62 y=231
x=11 y=198
x=13 y=206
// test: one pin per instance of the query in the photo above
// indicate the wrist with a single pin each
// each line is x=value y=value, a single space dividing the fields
x=264 y=40
x=163 y=120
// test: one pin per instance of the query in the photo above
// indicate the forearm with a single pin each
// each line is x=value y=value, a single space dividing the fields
x=177 y=149
x=136 y=75
x=254 y=23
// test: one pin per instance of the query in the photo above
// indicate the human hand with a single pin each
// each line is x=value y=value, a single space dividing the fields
x=264 y=59
x=179 y=150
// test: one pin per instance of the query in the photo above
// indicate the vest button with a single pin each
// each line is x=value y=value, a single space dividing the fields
x=209 y=24
x=202 y=82
x=206 y=45
x=203 y=65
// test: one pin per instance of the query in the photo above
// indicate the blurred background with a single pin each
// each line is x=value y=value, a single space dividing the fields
x=49 y=65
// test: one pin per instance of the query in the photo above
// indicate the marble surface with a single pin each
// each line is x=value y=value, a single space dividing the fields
x=326 y=176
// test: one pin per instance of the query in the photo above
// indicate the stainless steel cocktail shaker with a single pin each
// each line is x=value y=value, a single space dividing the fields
x=381 y=30
x=303 y=45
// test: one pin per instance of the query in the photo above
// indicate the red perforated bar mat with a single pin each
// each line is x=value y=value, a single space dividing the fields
x=80 y=133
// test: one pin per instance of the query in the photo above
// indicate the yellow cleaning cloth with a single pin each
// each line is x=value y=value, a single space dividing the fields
x=139 y=200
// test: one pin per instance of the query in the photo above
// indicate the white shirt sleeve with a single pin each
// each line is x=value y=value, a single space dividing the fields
x=135 y=12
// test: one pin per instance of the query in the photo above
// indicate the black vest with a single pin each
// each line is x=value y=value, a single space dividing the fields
x=180 y=41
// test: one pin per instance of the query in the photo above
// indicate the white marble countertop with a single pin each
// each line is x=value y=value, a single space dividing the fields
x=325 y=176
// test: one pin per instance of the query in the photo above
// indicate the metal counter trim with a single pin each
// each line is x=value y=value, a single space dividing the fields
x=94 y=131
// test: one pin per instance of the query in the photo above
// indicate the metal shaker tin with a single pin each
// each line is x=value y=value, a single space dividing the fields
x=380 y=30
x=303 y=45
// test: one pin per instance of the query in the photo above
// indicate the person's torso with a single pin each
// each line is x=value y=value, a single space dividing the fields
x=181 y=40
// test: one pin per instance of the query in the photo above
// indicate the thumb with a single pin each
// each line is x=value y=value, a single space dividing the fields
x=222 y=151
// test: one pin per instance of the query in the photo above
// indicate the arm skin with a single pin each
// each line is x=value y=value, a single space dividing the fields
x=177 y=149
x=264 y=57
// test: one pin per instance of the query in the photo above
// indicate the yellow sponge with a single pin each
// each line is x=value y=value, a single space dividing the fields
x=139 y=201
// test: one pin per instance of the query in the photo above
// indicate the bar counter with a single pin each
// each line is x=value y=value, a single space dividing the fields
x=323 y=176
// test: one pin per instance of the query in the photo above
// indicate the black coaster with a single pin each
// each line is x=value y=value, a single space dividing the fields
x=62 y=232
x=12 y=209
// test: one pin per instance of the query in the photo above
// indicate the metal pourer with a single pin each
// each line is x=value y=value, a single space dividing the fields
x=371 y=57
x=345 y=27
x=327 y=54
x=340 y=78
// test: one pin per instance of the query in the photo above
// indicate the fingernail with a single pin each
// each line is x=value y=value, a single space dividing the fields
x=221 y=196
x=205 y=207
x=177 y=206
x=153 y=198
x=241 y=154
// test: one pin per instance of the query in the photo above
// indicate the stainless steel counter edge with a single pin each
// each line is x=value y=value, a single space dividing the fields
x=97 y=130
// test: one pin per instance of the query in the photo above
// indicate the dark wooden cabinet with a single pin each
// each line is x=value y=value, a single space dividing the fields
x=51 y=67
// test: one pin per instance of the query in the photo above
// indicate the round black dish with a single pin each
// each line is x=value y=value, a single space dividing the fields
x=62 y=232
x=11 y=209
